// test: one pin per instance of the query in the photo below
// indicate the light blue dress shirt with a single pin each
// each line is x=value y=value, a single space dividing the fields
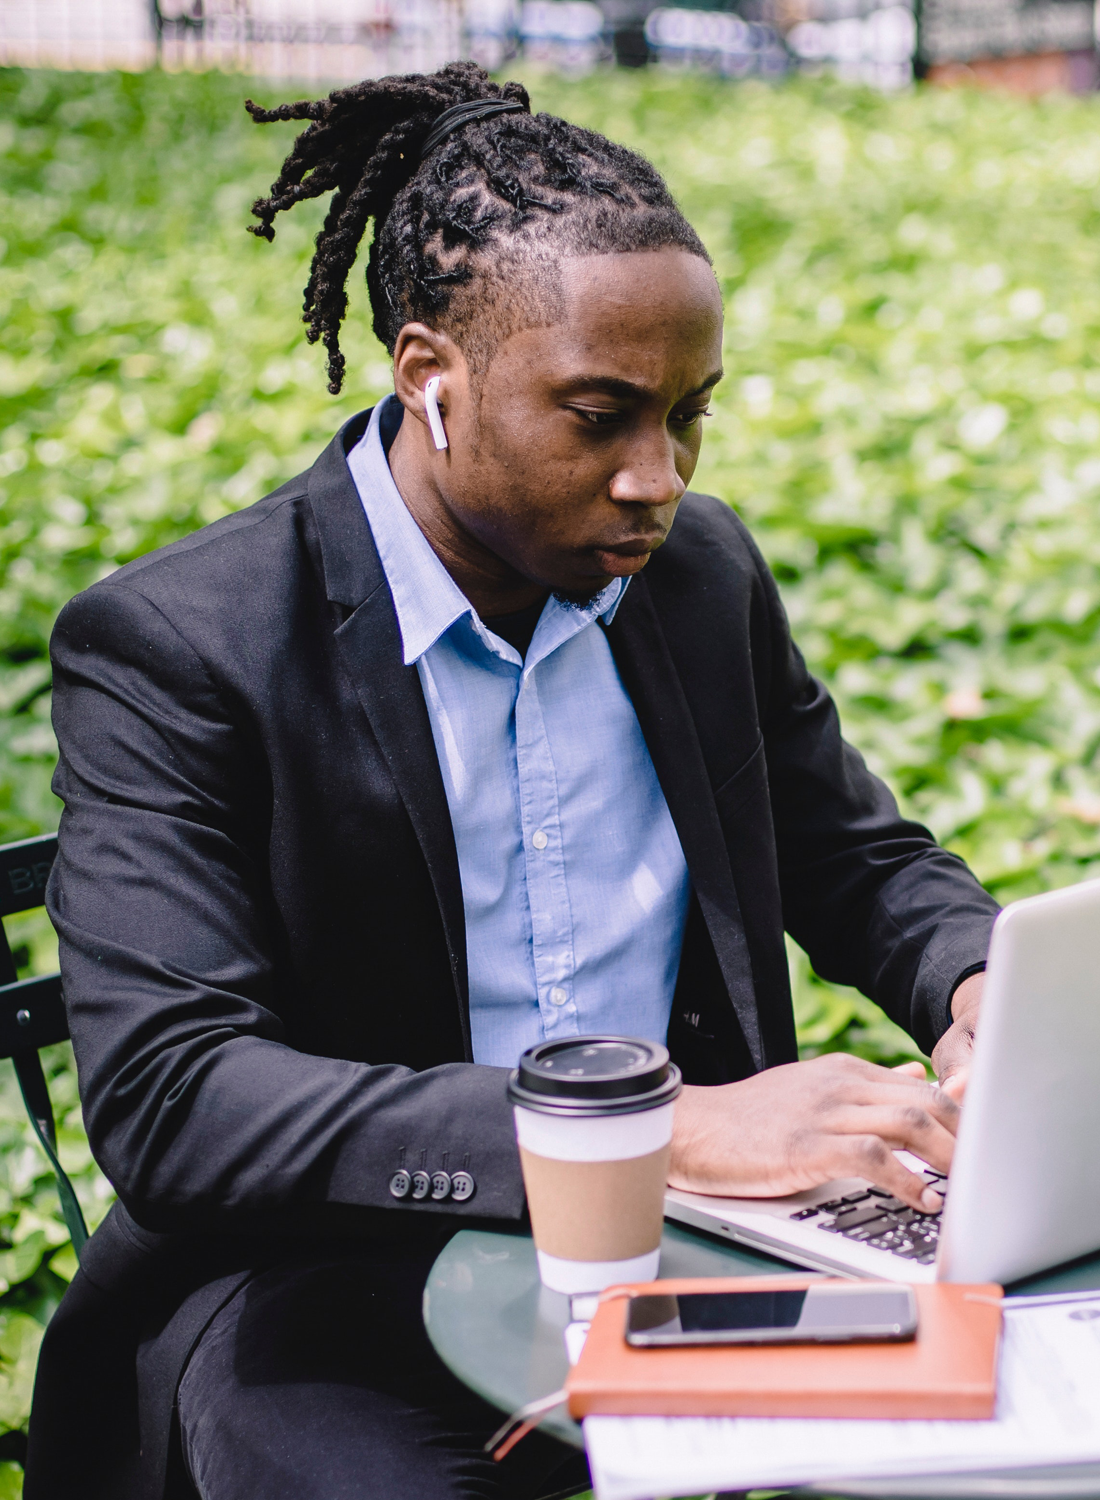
x=573 y=880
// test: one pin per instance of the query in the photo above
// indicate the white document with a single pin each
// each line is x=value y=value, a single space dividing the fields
x=1048 y=1412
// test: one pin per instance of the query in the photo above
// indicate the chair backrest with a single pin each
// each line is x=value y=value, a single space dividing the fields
x=32 y=1011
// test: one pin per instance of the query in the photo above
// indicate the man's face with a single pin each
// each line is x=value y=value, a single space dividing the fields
x=569 y=456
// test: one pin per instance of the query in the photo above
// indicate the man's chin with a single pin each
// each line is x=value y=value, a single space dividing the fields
x=582 y=595
x=612 y=565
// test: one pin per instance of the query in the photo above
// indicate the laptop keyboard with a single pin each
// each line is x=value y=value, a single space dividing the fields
x=876 y=1218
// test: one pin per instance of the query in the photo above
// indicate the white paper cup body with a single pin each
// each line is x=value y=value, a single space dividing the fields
x=595 y=1143
x=576 y=1277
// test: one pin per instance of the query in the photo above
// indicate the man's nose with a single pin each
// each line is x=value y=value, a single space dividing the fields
x=649 y=475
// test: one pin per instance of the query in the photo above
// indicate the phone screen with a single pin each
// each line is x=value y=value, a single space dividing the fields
x=827 y=1314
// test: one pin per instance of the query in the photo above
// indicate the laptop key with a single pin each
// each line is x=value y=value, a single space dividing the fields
x=918 y=1232
x=874 y=1230
x=880 y=1225
x=858 y=1216
x=855 y=1197
x=805 y=1213
x=863 y=1234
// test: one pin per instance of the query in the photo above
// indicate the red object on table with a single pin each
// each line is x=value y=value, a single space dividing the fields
x=948 y=1370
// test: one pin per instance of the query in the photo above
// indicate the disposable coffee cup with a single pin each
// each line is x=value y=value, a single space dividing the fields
x=594 y=1125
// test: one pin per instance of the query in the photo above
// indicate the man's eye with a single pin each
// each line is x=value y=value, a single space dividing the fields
x=598 y=416
x=690 y=418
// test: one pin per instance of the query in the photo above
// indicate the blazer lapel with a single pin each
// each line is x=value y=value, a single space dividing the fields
x=649 y=674
x=369 y=642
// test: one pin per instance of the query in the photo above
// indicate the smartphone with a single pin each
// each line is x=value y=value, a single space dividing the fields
x=857 y=1314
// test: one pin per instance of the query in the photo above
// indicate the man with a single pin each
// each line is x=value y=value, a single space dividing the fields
x=481 y=731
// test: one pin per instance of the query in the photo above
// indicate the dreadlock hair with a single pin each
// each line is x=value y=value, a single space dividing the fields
x=469 y=239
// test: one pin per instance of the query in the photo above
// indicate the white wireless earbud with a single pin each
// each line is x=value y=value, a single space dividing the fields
x=435 y=421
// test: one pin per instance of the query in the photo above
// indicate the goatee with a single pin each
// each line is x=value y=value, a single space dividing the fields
x=578 y=600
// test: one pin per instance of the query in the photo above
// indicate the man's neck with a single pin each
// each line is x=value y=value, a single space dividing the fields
x=490 y=584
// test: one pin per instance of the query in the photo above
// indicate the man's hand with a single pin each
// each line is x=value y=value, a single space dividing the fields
x=952 y=1053
x=792 y=1127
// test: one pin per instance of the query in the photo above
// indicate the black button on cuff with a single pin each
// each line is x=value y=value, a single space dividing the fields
x=463 y=1187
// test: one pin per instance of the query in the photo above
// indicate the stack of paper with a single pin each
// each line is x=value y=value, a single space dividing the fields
x=1048 y=1412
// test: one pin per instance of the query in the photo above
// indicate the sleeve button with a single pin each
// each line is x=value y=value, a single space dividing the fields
x=400 y=1183
x=441 y=1186
x=463 y=1187
x=421 y=1185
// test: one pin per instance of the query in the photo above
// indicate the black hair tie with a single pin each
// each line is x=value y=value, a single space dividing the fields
x=465 y=114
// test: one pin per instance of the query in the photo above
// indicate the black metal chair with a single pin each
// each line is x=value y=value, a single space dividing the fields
x=32 y=1014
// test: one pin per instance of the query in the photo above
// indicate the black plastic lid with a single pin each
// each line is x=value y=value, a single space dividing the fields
x=595 y=1075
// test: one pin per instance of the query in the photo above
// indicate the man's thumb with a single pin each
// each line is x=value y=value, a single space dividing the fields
x=954 y=1083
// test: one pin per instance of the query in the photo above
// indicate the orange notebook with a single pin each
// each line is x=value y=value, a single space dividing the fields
x=949 y=1370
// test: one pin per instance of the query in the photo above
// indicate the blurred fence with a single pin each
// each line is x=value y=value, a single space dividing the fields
x=870 y=40
x=1048 y=43
x=288 y=38
x=860 y=40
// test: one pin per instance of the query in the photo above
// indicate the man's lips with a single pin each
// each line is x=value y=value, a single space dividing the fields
x=620 y=559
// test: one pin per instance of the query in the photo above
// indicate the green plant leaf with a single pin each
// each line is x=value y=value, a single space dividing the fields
x=20 y=1338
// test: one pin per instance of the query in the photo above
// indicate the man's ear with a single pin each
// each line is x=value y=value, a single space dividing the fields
x=420 y=353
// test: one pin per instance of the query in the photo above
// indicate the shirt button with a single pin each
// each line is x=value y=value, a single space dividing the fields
x=539 y=839
x=558 y=996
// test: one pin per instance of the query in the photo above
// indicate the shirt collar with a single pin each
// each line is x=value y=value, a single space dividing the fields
x=426 y=598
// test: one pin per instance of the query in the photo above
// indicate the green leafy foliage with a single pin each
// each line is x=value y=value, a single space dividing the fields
x=910 y=423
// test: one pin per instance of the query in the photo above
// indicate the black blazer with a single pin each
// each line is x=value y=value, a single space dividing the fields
x=260 y=911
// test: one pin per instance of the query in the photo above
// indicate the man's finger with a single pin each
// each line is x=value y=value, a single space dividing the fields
x=897 y=1090
x=908 y=1128
x=912 y=1070
x=869 y=1156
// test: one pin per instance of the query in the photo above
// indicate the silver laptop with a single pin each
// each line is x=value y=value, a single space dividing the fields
x=1024 y=1192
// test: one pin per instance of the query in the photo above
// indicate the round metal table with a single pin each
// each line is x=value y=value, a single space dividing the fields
x=501 y=1332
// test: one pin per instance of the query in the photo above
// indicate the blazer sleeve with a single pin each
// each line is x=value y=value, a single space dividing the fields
x=198 y=1111
x=872 y=898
